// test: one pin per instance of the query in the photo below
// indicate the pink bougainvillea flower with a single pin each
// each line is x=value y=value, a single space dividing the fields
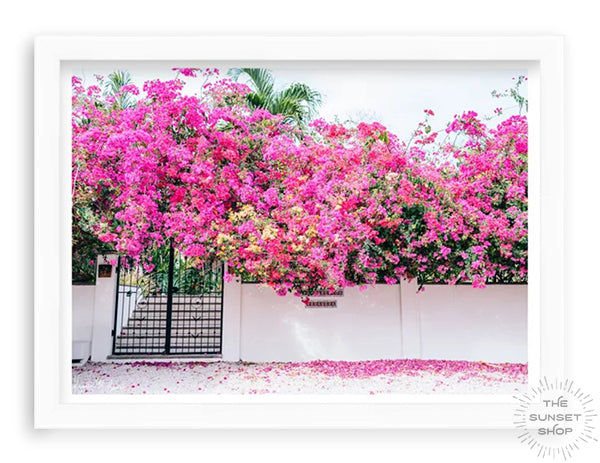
x=325 y=207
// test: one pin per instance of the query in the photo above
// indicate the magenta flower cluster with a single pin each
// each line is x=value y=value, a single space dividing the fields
x=327 y=206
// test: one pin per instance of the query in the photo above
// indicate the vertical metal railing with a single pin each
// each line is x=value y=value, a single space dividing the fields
x=169 y=322
x=118 y=283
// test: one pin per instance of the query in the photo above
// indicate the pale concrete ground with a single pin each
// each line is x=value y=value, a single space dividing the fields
x=318 y=377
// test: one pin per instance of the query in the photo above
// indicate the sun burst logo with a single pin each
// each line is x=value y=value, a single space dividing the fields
x=555 y=418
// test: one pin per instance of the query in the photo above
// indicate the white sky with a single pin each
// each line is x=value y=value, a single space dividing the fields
x=393 y=94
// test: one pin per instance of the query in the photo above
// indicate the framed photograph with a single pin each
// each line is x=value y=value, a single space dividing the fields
x=296 y=232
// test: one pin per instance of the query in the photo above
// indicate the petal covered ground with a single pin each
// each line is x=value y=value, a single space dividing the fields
x=316 y=377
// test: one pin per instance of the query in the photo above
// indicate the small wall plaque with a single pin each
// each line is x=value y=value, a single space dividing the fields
x=104 y=271
x=321 y=304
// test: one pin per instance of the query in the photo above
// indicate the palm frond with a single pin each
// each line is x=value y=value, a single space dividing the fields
x=115 y=80
x=308 y=98
x=290 y=108
x=257 y=100
x=302 y=92
x=297 y=103
x=260 y=79
x=112 y=86
x=235 y=73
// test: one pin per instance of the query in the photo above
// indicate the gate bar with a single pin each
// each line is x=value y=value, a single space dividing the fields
x=117 y=292
x=170 y=298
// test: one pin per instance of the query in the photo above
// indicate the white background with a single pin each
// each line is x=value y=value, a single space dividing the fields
x=21 y=21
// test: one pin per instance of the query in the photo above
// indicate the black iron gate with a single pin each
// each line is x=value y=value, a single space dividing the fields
x=174 y=309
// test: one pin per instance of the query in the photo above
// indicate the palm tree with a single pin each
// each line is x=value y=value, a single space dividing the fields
x=298 y=103
x=113 y=84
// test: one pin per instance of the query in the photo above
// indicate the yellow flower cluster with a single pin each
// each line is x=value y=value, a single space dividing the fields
x=269 y=233
x=311 y=231
x=247 y=212
x=254 y=248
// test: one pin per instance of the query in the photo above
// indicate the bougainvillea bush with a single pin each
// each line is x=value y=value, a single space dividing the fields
x=328 y=205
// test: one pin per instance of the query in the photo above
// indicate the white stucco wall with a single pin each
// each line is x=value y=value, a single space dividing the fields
x=232 y=305
x=442 y=322
x=385 y=321
x=365 y=325
x=465 y=323
x=104 y=311
x=82 y=319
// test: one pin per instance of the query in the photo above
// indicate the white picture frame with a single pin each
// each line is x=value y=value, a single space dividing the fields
x=55 y=405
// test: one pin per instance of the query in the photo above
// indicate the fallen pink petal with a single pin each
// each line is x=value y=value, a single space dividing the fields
x=369 y=377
